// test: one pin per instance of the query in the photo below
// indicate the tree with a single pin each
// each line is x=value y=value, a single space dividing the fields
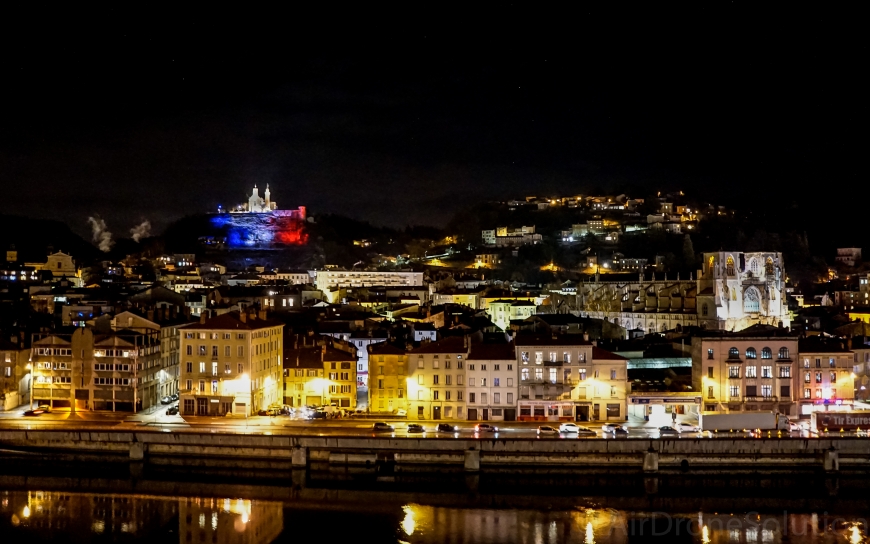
x=689 y=258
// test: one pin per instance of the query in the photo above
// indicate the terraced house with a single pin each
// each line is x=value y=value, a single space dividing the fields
x=568 y=378
x=90 y=370
x=436 y=384
x=231 y=363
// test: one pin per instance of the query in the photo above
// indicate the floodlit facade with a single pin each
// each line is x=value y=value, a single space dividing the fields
x=745 y=372
x=568 y=378
x=491 y=376
x=231 y=363
x=388 y=390
x=436 y=381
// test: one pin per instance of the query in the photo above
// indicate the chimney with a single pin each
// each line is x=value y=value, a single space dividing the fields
x=585 y=336
x=243 y=317
x=202 y=317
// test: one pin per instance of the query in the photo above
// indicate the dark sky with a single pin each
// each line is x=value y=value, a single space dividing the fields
x=406 y=115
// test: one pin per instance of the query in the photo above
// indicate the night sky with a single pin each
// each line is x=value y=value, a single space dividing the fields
x=407 y=115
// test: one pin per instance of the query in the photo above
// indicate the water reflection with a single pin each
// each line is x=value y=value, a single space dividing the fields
x=34 y=516
x=27 y=516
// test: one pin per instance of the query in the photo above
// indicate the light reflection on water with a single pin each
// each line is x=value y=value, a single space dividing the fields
x=85 y=517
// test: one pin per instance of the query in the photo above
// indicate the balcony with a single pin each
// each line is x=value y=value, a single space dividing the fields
x=533 y=381
x=760 y=398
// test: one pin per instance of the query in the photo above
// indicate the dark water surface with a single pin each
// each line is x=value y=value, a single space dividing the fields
x=36 y=515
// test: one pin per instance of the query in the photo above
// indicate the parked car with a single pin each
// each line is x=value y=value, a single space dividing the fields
x=446 y=428
x=34 y=412
x=546 y=429
x=799 y=426
x=44 y=407
x=166 y=400
x=415 y=428
x=381 y=427
x=485 y=428
x=686 y=428
x=583 y=431
x=401 y=413
x=174 y=396
x=668 y=431
x=611 y=427
x=172 y=411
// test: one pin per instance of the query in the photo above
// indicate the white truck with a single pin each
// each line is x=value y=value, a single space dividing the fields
x=740 y=421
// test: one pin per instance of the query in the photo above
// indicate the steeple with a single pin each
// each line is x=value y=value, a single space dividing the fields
x=267 y=194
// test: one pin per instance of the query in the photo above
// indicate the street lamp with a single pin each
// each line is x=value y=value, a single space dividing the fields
x=30 y=393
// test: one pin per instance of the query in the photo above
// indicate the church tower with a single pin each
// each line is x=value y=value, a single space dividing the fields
x=268 y=195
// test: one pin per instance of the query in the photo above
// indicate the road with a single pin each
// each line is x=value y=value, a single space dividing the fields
x=158 y=420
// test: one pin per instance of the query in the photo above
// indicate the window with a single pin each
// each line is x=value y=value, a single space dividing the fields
x=459 y=395
x=785 y=391
x=552 y=375
x=710 y=392
x=435 y=380
x=767 y=372
x=482 y=367
x=434 y=395
x=525 y=357
x=566 y=357
x=471 y=398
x=818 y=393
x=612 y=392
x=483 y=398
x=202 y=368
x=750 y=372
x=710 y=353
x=806 y=363
x=783 y=353
x=214 y=351
x=785 y=372
x=420 y=363
x=448 y=379
x=751 y=391
x=807 y=378
x=833 y=378
x=729 y=266
x=189 y=367
x=612 y=411
x=766 y=391
x=460 y=379
x=510 y=398
x=808 y=393
x=510 y=382
x=214 y=369
x=240 y=351
x=495 y=382
x=751 y=300
x=734 y=391
x=470 y=366
x=189 y=349
x=831 y=362
x=524 y=374
x=436 y=363
x=818 y=377
x=345 y=376
x=202 y=350
x=447 y=395
x=613 y=374
x=704 y=310
x=733 y=371
x=750 y=353
x=471 y=382
x=420 y=379
x=539 y=374
x=582 y=373
x=510 y=367
x=710 y=372
x=241 y=368
x=733 y=353
x=496 y=398
x=226 y=351
x=766 y=353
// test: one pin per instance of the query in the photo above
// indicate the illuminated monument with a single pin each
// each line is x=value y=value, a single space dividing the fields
x=259 y=224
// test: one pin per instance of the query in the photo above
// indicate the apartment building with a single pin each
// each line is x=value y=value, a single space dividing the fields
x=232 y=363
x=389 y=379
x=14 y=375
x=568 y=378
x=90 y=370
x=503 y=312
x=436 y=388
x=333 y=282
x=318 y=371
x=491 y=375
x=827 y=375
x=753 y=369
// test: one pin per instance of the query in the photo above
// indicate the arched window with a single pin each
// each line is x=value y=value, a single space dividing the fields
x=750 y=353
x=783 y=353
x=754 y=267
x=729 y=265
x=704 y=309
x=768 y=267
x=766 y=353
x=751 y=300
x=733 y=353
x=711 y=262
